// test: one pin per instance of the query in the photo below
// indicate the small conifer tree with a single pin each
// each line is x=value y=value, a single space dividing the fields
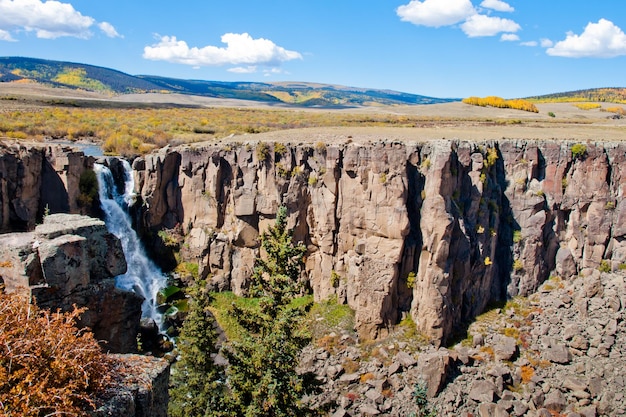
x=262 y=375
x=196 y=381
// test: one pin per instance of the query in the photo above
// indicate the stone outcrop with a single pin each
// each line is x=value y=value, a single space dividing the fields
x=437 y=230
x=143 y=392
x=40 y=179
x=72 y=260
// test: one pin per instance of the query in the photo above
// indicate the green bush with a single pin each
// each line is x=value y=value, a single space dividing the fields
x=420 y=397
x=410 y=280
x=579 y=151
x=168 y=238
x=88 y=188
x=605 y=266
x=262 y=151
x=280 y=149
x=492 y=157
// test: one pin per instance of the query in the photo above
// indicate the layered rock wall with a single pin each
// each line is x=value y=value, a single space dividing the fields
x=68 y=261
x=40 y=179
x=436 y=230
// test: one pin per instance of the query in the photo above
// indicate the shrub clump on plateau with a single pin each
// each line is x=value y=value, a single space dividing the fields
x=499 y=102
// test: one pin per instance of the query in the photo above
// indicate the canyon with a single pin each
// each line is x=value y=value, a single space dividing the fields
x=434 y=230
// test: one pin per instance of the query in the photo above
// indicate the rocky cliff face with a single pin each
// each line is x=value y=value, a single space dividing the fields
x=142 y=392
x=41 y=179
x=437 y=230
x=72 y=260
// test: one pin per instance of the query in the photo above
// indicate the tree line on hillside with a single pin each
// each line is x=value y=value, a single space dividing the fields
x=604 y=95
x=92 y=77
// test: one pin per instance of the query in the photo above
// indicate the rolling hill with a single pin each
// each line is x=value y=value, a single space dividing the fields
x=109 y=81
x=607 y=94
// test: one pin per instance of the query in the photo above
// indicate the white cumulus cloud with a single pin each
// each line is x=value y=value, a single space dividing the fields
x=509 y=37
x=241 y=49
x=243 y=70
x=482 y=25
x=546 y=43
x=435 y=13
x=497 y=5
x=6 y=36
x=109 y=30
x=599 y=40
x=48 y=19
x=529 y=43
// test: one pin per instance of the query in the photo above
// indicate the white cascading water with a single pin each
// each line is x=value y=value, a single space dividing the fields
x=142 y=276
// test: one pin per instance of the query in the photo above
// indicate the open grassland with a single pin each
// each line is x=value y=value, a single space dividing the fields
x=137 y=131
x=136 y=124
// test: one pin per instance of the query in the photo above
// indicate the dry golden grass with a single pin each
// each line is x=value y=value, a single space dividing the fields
x=137 y=131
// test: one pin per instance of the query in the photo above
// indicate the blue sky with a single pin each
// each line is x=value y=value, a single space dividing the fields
x=441 y=48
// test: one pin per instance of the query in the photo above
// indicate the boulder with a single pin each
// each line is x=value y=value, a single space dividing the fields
x=558 y=353
x=504 y=348
x=555 y=401
x=434 y=370
x=483 y=391
x=143 y=392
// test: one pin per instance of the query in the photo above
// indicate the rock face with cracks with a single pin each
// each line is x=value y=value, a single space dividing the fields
x=72 y=260
x=35 y=180
x=437 y=230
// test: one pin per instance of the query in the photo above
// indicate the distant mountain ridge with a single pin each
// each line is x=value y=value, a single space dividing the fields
x=109 y=81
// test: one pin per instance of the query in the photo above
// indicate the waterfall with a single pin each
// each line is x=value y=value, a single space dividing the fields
x=142 y=276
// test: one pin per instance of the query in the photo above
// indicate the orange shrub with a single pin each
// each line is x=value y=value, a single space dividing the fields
x=366 y=377
x=47 y=365
x=617 y=109
x=527 y=373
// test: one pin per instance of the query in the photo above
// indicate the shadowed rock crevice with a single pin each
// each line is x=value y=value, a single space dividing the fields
x=413 y=241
